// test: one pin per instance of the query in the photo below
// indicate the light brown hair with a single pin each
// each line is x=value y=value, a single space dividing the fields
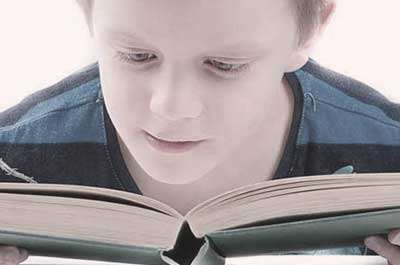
x=309 y=14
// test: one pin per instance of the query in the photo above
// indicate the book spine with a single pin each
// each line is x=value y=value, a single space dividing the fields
x=208 y=255
x=185 y=249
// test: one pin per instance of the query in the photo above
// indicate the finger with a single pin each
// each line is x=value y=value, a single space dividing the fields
x=12 y=255
x=10 y=263
x=24 y=254
x=384 y=248
x=394 y=236
x=8 y=251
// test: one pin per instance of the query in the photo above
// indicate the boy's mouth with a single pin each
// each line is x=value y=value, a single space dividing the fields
x=171 y=146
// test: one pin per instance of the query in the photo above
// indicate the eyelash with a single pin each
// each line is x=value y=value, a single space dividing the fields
x=235 y=69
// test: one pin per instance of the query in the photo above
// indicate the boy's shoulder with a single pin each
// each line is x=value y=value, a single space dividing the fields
x=80 y=87
x=335 y=100
x=343 y=122
x=331 y=87
x=58 y=134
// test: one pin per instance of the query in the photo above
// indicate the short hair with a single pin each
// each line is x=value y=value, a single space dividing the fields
x=309 y=15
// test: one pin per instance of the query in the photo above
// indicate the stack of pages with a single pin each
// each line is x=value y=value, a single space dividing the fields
x=301 y=213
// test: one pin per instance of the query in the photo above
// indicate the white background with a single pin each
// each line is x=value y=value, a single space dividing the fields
x=43 y=41
x=260 y=260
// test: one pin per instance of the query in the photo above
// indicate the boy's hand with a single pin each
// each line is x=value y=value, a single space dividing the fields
x=387 y=248
x=10 y=255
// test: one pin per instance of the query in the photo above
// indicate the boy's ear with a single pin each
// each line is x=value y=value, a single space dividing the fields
x=86 y=7
x=298 y=58
x=301 y=54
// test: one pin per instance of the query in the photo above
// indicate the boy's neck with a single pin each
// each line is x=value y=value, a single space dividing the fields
x=262 y=159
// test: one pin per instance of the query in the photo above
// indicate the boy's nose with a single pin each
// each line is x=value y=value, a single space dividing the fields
x=176 y=99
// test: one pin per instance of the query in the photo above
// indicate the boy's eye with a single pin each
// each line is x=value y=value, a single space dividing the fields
x=143 y=58
x=224 y=67
x=136 y=58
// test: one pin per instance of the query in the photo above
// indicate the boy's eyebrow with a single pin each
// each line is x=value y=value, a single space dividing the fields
x=235 y=49
x=118 y=34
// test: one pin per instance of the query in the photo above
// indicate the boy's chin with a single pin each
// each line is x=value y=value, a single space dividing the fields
x=186 y=170
x=175 y=178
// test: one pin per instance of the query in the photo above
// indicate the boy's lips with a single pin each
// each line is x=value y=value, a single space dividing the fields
x=170 y=146
x=172 y=140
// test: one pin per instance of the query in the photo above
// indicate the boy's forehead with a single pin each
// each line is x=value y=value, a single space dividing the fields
x=221 y=14
x=239 y=25
x=230 y=48
x=220 y=6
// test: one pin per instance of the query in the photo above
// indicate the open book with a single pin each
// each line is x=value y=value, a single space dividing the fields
x=301 y=213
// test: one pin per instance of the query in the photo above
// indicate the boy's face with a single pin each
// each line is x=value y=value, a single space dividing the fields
x=176 y=91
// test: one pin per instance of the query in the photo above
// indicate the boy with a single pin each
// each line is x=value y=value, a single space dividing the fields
x=190 y=99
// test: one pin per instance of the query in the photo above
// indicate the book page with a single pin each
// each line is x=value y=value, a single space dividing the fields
x=89 y=192
x=300 y=195
x=42 y=220
x=287 y=183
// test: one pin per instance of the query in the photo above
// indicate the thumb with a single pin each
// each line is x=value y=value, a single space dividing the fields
x=24 y=254
x=394 y=237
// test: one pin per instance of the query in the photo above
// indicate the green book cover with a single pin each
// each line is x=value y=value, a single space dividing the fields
x=347 y=230
x=188 y=249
